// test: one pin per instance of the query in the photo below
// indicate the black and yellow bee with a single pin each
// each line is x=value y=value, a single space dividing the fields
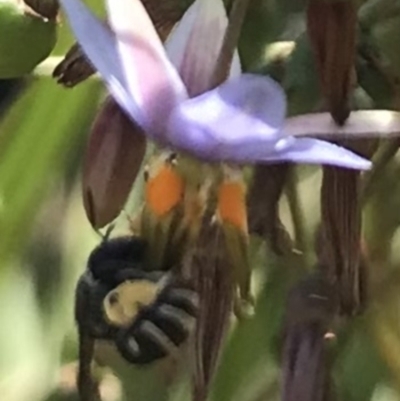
x=146 y=314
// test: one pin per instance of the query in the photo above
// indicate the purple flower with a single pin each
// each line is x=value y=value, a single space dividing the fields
x=166 y=91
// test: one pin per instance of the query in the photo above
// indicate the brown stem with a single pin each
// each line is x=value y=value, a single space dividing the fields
x=229 y=44
x=310 y=308
x=296 y=214
x=263 y=206
x=339 y=254
x=384 y=156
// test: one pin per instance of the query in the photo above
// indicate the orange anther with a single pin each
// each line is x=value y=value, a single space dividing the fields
x=164 y=191
x=232 y=204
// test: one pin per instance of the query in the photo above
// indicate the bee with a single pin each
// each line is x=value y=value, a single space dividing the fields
x=146 y=314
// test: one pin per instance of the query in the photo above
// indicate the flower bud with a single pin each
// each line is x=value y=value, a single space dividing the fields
x=45 y=8
x=26 y=38
x=112 y=161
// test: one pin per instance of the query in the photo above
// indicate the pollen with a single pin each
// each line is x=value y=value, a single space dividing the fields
x=232 y=204
x=164 y=191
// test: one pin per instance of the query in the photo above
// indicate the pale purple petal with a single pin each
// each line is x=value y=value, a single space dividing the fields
x=99 y=45
x=315 y=151
x=152 y=80
x=231 y=120
x=195 y=43
x=360 y=124
x=241 y=121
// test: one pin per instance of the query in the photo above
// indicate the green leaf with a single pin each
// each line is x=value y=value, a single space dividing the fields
x=38 y=135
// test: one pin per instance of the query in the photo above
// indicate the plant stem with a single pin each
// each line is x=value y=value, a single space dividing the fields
x=229 y=44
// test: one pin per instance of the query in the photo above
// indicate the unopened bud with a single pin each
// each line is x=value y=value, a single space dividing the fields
x=47 y=9
x=26 y=38
x=112 y=161
x=331 y=27
x=74 y=68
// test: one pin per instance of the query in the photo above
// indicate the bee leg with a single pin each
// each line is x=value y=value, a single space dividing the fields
x=88 y=387
x=161 y=328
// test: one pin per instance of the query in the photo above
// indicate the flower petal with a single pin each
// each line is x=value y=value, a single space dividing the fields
x=360 y=124
x=231 y=121
x=152 y=80
x=99 y=45
x=195 y=43
x=315 y=151
x=242 y=121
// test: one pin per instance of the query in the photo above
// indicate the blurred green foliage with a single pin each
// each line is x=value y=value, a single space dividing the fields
x=45 y=238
